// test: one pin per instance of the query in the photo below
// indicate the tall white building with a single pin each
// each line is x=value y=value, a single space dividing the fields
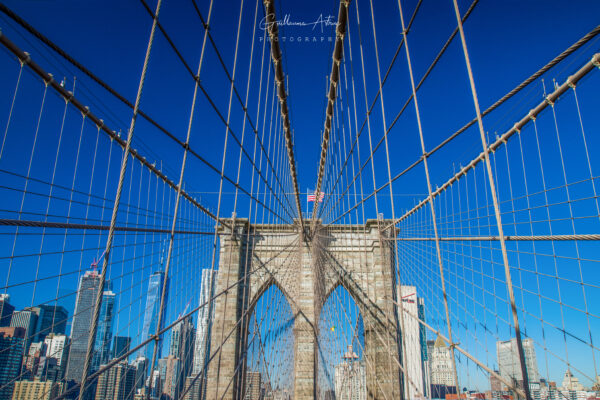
x=509 y=363
x=56 y=345
x=440 y=364
x=205 y=317
x=413 y=343
x=350 y=378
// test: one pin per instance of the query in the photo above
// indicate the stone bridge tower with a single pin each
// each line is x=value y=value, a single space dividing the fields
x=306 y=269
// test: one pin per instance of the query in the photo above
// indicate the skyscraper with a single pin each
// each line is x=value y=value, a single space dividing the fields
x=11 y=351
x=104 y=332
x=56 y=347
x=120 y=345
x=171 y=377
x=204 y=324
x=350 y=378
x=155 y=287
x=26 y=319
x=413 y=342
x=510 y=365
x=6 y=309
x=141 y=365
x=82 y=318
x=329 y=395
x=51 y=319
x=495 y=383
x=49 y=370
x=154 y=383
x=34 y=355
x=440 y=362
x=182 y=347
x=117 y=383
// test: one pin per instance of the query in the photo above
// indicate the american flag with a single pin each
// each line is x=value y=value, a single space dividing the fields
x=313 y=196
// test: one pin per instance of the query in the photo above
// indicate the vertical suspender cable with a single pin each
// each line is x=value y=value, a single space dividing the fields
x=12 y=106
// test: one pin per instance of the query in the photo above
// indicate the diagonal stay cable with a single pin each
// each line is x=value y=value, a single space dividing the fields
x=69 y=225
x=198 y=82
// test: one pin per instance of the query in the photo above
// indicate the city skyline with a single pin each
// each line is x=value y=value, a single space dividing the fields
x=507 y=355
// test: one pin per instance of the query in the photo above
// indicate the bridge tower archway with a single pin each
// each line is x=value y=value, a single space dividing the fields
x=306 y=269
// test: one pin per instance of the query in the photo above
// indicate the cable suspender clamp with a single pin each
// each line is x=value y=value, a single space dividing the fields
x=454 y=345
x=596 y=60
x=532 y=116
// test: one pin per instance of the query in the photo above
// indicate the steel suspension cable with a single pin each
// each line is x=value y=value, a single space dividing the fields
x=199 y=84
x=282 y=96
x=237 y=95
x=92 y=117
